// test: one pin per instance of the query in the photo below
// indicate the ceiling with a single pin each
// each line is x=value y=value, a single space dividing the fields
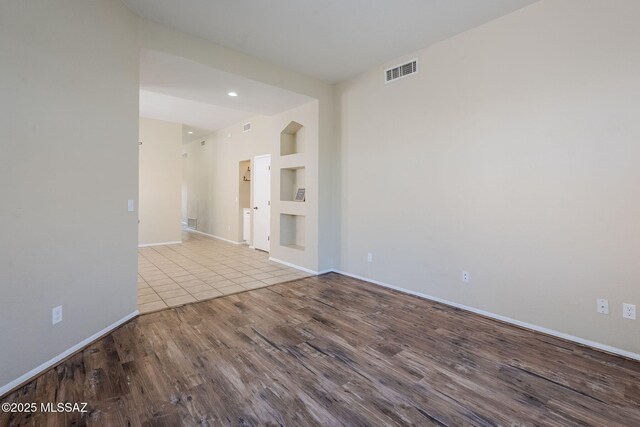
x=192 y=133
x=179 y=90
x=331 y=40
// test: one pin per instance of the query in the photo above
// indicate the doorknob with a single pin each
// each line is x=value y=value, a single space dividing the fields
x=255 y=207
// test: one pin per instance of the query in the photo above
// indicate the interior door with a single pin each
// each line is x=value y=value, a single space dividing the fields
x=262 y=202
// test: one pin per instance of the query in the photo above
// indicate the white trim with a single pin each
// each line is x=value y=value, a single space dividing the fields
x=146 y=245
x=588 y=343
x=297 y=267
x=191 y=230
x=52 y=362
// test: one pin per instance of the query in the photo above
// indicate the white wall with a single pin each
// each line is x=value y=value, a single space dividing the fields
x=513 y=154
x=68 y=165
x=160 y=182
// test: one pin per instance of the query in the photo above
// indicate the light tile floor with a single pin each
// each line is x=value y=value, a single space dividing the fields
x=202 y=268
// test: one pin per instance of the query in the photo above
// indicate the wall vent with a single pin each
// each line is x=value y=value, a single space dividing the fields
x=192 y=223
x=202 y=143
x=400 y=71
x=246 y=127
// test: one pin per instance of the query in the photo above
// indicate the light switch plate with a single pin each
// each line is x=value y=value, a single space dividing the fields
x=56 y=315
x=130 y=206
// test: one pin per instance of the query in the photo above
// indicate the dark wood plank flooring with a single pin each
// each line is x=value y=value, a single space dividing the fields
x=333 y=351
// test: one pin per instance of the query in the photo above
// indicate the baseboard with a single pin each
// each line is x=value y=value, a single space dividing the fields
x=525 y=325
x=190 y=230
x=146 y=245
x=23 y=379
x=297 y=267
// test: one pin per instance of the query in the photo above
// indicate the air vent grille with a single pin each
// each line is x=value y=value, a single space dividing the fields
x=192 y=223
x=202 y=143
x=246 y=127
x=400 y=71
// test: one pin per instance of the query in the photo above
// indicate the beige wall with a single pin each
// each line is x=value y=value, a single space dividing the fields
x=160 y=182
x=325 y=162
x=68 y=165
x=214 y=187
x=212 y=176
x=512 y=154
x=310 y=258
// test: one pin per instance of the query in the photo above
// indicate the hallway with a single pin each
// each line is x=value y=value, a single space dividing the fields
x=202 y=268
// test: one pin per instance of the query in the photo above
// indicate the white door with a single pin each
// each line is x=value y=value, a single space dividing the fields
x=261 y=202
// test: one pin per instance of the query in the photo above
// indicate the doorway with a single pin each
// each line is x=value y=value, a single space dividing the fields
x=244 y=201
x=261 y=202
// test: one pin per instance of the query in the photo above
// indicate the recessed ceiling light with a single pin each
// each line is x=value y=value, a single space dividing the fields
x=190 y=132
x=232 y=94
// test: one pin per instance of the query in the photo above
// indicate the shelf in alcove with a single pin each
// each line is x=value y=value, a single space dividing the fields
x=296 y=247
x=292 y=231
x=292 y=139
x=293 y=161
x=291 y=179
x=293 y=208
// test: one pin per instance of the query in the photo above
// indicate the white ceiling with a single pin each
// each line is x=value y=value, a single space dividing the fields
x=194 y=114
x=330 y=39
x=192 y=133
x=179 y=90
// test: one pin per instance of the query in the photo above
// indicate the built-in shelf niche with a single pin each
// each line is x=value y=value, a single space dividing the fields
x=292 y=139
x=292 y=231
x=291 y=179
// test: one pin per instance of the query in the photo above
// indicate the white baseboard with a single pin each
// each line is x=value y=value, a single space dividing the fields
x=297 y=267
x=146 y=245
x=190 y=230
x=52 y=362
x=588 y=343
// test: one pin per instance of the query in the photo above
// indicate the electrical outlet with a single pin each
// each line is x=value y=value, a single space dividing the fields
x=56 y=315
x=370 y=257
x=466 y=277
x=602 y=305
x=629 y=311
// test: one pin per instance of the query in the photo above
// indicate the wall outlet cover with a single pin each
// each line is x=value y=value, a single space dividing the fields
x=629 y=311
x=602 y=306
x=466 y=277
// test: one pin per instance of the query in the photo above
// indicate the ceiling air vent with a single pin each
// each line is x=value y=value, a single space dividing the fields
x=246 y=127
x=400 y=71
x=202 y=143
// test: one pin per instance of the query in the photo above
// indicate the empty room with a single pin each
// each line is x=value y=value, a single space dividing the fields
x=319 y=213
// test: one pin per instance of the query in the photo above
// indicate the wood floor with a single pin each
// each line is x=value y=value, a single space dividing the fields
x=333 y=351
